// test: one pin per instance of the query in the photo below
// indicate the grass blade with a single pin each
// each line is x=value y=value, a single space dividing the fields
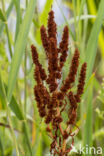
x=16 y=109
x=2 y=17
x=44 y=15
x=2 y=94
x=17 y=6
x=7 y=15
x=88 y=126
x=19 y=48
x=1 y=148
x=90 y=59
x=93 y=39
x=42 y=19
x=93 y=10
x=13 y=104
x=17 y=58
x=25 y=130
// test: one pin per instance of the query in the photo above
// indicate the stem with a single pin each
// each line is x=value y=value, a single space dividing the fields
x=61 y=130
x=26 y=3
x=7 y=30
x=58 y=113
x=25 y=83
x=25 y=73
x=64 y=145
x=9 y=43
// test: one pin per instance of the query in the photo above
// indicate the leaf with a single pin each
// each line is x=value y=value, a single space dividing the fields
x=16 y=109
x=82 y=17
x=89 y=124
x=99 y=133
x=46 y=139
x=2 y=17
x=43 y=18
x=20 y=48
x=7 y=15
x=89 y=81
x=13 y=104
x=1 y=148
x=93 y=10
x=17 y=6
x=90 y=59
x=44 y=15
x=38 y=145
x=2 y=94
x=25 y=130
x=93 y=40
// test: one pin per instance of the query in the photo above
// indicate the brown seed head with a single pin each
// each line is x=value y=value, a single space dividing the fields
x=52 y=30
x=81 y=84
x=45 y=40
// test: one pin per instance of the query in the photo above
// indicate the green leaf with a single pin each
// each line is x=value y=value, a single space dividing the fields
x=16 y=109
x=93 y=40
x=1 y=148
x=2 y=17
x=25 y=130
x=43 y=19
x=2 y=94
x=13 y=104
x=17 y=6
x=44 y=15
x=38 y=145
x=90 y=59
x=46 y=139
x=7 y=15
x=89 y=124
x=20 y=48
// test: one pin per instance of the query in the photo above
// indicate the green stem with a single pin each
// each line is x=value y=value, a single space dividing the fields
x=25 y=83
x=7 y=30
x=26 y=3
x=25 y=73
x=9 y=43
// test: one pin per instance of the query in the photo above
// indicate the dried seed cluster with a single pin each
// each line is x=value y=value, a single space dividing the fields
x=51 y=101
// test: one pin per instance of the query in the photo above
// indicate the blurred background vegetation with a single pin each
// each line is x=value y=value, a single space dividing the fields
x=22 y=132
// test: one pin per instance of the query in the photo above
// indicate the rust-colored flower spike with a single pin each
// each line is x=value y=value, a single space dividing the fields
x=72 y=73
x=53 y=99
x=52 y=29
x=36 y=62
x=81 y=84
x=63 y=47
x=44 y=39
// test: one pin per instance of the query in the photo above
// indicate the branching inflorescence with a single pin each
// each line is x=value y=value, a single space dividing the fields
x=52 y=100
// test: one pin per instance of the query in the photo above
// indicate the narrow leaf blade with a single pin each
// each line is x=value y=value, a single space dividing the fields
x=93 y=40
x=20 y=48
